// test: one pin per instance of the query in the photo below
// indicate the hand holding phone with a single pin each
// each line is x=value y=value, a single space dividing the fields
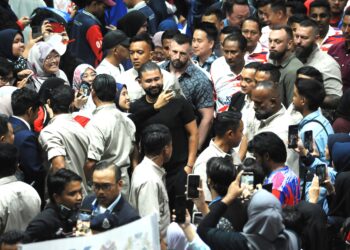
x=293 y=136
x=321 y=172
x=247 y=178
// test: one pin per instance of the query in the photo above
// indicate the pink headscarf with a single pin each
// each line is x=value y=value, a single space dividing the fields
x=78 y=74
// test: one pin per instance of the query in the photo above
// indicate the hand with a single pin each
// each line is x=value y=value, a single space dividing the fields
x=234 y=190
x=187 y=221
x=328 y=184
x=46 y=29
x=163 y=99
x=24 y=73
x=79 y=101
x=49 y=110
x=300 y=149
x=22 y=83
x=314 y=190
x=188 y=170
x=24 y=21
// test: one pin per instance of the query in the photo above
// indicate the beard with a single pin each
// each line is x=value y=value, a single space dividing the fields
x=277 y=55
x=154 y=92
x=302 y=53
x=177 y=64
x=262 y=115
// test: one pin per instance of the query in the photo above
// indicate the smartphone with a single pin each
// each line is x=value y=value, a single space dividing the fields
x=180 y=208
x=192 y=186
x=197 y=217
x=84 y=89
x=267 y=187
x=321 y=172
x=293 y=136
x=83 y=223
x=247 y=178
x=308 y=141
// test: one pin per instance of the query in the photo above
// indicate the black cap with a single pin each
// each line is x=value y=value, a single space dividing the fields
x=114 y=38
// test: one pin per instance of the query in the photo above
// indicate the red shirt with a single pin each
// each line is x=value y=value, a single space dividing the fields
x=341 y=54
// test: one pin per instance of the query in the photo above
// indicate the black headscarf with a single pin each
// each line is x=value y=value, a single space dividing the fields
x=132 y=22
x=341 y=156
x=338 y=137
x=6 y=37
x=343 y=109
x=340 y=205
x=8 y=18
x=314 y=233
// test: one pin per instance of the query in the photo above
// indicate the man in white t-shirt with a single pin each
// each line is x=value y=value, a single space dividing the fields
x=116 y=45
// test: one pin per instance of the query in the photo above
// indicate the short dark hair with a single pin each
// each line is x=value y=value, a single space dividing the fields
x=8 y=159
x=347 y=11
x=297 y=7
x=105 y=88
x=229 y=30
x=270 y=143
x=296 y=18
x=182 y=39
x=216 y=12
x=263 y=3
x=209 y=29
x=286 y=28
x=252 y=65
x=116 y=169
x=307 y=23
x=312 y=90
x=169 y=34
x=321 y=4
x=221 y=172
x=61 y=98
x=57 y=182
x=237 y=37
x=12 y=237
x=47 y=87
x=154 y=138
x=279 y=5
x=253 y=19
x=228 y=5
x=311 y=72
x=143 y=37
x=4 y=129
x=23 y=99
x=148 y=66
x=227 y=120
x=6 y=67
x=272 y=70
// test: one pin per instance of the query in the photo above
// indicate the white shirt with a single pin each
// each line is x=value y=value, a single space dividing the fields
x=19 y=204
x=200 y=166
x=106 y=67
x=264 y=39
x=225 y=82
x=148 y=192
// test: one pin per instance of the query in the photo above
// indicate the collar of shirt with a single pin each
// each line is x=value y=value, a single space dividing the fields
x=97 y=209
x=24 y=121
x=218 y=198
x=92 y=16
x=310 y=117
x=278 y=170
x=209 y=60
x=105 y=106
x=285 y=62
x=331 y=32
x=313 y=54
x=258 y=49
x=189 y=69
x=67 y=116
x=266 y=122
x=138 y=6
x=223 y=154
x=159 y=170
x=8 y=179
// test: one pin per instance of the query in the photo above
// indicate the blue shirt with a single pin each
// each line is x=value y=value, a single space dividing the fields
x=97 y=209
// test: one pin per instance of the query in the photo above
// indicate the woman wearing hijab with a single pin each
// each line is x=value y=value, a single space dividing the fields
x=342 y=121
x=44 y=60
x=83 y=73
x=263 y=230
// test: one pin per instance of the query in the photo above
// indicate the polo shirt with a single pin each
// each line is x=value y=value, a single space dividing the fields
x=106 y=67
x=341 y=54
x=258 y=55
x=225 y=82
x=330 y=70
x=63 y=136
x=288 y=77
x=207 y=64
x=148 y=193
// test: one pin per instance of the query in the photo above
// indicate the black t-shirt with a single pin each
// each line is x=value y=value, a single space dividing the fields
x=175 y=115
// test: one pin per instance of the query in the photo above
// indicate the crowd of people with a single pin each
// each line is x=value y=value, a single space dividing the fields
x=109 y=107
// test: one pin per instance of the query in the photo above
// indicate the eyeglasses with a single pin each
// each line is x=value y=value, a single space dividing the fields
x=52 y=58
x=102 y=186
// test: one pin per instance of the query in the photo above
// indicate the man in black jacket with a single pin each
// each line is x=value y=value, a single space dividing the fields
x=108 y=207
x=59 y=217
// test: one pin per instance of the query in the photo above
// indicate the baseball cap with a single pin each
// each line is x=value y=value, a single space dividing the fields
x=114 y=38
x=109 y=3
